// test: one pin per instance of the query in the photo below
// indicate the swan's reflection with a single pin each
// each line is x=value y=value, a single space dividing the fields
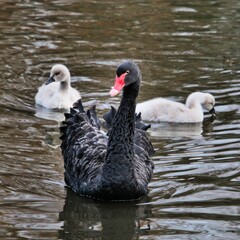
x=88 y=219
x=58 y=114
x=50 y=114
x=171 y=130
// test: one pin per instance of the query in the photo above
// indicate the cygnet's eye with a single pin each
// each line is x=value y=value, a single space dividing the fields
x=57 y=73
x=210 y=103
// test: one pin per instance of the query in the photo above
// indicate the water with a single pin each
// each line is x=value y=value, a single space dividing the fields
x=180 y=47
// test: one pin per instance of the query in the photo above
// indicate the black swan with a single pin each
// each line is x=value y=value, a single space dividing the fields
x=57 y=92
x=112 y=166
x=164 y=110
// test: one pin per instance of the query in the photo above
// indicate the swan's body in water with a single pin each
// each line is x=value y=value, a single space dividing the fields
x=57 y=92
x=164 y=110
x=112 y=166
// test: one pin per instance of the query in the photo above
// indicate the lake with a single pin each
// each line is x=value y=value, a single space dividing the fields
x=181 y=47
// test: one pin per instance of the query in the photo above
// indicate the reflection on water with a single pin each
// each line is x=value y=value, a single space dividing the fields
x=181 y=47
x=183 y=130
x=86 y=219
x=55 y=115
x=58 y=114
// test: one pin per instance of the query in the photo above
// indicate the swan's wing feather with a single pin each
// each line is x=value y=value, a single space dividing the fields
x=83 y=161
x=83 y=149
x=141 y=140
x=143 y=147
x=143 y=170
x=93 y=116
x=143 y=150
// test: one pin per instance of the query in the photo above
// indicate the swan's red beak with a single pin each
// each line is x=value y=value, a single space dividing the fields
x=119 y=84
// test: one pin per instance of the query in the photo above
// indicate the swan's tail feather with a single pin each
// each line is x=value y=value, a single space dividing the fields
x=62 y=130
x=92 y=115
x=77 y=125
x=72 y=111
x=67 y=115
x=78 y=105
x=140 y=124
x=79 y=114
x=109 y=116
x=77 y=117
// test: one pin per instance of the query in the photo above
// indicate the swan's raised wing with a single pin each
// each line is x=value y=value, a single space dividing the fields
x=83 y=149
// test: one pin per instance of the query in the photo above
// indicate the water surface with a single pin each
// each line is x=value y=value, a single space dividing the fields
x=181 y=47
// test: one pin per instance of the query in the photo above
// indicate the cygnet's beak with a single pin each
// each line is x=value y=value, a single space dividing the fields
x=212 y=111
x=50 y=80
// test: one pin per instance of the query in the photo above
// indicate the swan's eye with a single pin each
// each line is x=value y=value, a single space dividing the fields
x=127 y=72
x=210 y=103
x=57 y=73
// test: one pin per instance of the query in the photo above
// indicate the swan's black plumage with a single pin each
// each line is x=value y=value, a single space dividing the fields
x=112 y=166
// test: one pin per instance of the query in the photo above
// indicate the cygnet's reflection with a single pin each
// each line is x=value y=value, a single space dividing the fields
x=88 y=219
x=50 y=114
x=58 y=114
x=172 y=130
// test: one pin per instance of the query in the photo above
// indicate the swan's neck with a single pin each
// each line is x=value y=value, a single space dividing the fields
x=195 y=100
x=194 y=105
x=64 y=85
x=121 y=144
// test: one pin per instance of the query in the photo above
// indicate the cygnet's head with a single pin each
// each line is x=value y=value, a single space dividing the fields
x=59 y=73
x=205 y=99
x=209 y=103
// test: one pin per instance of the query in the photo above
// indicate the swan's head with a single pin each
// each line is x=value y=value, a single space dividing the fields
x=205 y=99
x=209 y=103
x=59 y=73
x=126 y=74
